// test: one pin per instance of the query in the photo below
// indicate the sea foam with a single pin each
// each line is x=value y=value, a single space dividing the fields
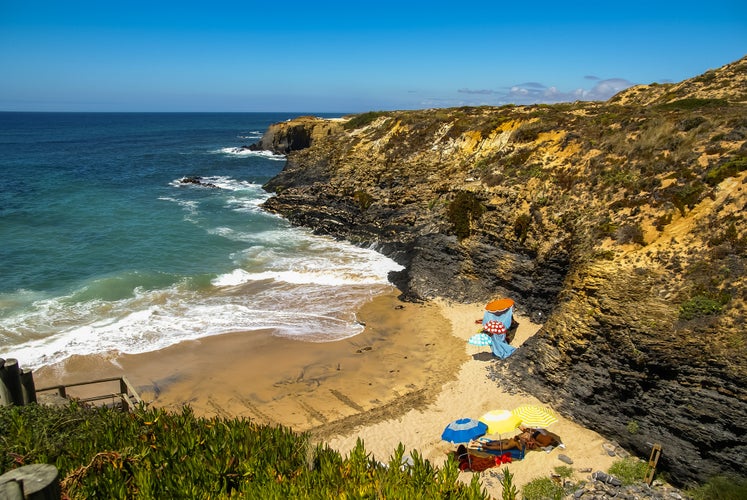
x=307 y=273
x=242 y=151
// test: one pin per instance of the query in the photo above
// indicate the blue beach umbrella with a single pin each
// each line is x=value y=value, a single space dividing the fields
x=463 y=430
x=479 y=339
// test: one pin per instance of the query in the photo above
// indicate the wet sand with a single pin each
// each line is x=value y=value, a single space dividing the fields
x=404 y=355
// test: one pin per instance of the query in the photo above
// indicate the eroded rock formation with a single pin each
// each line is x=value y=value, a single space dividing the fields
x=300 y=133
x=621 y=225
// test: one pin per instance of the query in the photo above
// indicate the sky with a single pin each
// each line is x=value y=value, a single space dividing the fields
x=351 y=56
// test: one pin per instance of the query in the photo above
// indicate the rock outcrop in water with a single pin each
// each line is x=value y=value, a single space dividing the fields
x=619 y=225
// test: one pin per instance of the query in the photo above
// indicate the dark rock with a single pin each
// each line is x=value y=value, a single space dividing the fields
x=603 y=477
x=197 y=181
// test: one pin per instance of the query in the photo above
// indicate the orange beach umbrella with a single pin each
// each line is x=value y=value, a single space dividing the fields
x=499 y=305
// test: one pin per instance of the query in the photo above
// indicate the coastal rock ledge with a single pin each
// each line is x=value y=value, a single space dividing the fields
x=618 y=225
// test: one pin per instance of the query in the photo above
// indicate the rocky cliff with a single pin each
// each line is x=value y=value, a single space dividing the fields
x=619 y=225
x=299 y=133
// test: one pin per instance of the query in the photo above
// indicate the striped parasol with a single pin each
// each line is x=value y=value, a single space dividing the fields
x=463 y=430
x=535 y=416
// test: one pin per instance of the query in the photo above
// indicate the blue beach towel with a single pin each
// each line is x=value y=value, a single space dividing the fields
x=504 y=317
x=498 y=344
x=500 y=347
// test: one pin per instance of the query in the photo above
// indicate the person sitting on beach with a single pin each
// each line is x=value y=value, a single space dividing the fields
x=538 y=438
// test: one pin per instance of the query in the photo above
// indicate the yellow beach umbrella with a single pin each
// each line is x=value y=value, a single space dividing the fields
x=535 y=416
x=500 y=421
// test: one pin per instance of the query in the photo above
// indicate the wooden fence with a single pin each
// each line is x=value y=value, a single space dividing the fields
x=17 y=388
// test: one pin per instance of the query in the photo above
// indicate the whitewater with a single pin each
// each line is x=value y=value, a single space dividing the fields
x=106 y=250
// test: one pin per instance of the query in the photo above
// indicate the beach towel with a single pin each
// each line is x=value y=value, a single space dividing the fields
x=484 y=446
x=475 y=462
x=500 y=347
x=505 y=317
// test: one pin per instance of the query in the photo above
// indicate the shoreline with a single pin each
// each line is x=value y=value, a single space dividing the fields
x=391 y=366
x=403 y=379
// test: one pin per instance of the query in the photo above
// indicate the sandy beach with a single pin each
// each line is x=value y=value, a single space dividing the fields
x=408 y=375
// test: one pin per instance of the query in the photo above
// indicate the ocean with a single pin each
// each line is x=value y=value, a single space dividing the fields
x=103 y=249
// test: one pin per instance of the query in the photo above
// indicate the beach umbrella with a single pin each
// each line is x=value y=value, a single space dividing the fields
x=500 y=421
x=495 y=327
x=499 y=305
x=463 y=430
x=479 y=339
x=535 y=416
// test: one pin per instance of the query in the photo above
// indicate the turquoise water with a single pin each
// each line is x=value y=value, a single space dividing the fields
x=104 y=250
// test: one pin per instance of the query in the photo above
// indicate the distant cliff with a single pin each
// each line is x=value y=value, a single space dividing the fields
x=299 y=133
x=619 y=225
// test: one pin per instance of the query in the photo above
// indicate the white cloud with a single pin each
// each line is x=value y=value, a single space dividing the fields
x=605 y=89
x=535 y=92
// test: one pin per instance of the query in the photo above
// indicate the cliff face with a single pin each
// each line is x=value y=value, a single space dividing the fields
x=619 y=225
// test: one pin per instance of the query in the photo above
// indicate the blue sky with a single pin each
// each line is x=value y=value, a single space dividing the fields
x=347 y=56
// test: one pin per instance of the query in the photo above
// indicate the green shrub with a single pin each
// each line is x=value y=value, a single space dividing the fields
x=604 y=255
x=508 y=490
x=359 y=121
x=685 y=197
x=528 y=132
x=700 y=305
x=104 y=453
x=364 y=199
x=693 y=103
x=728 y=169
x=462 y=211
x=564 y=471
x=633 y=427
x=542 y=488
x=605 y=228
x=521 y=226
x=720 y=488
x=629 y=470
x=629 y=233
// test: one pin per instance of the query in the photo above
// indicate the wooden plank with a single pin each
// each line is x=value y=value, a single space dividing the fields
x=128 y=396
x=131 y=390
x=653 y=461
x=76 y=384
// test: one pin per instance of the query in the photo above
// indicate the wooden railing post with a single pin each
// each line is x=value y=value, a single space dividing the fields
x=28 y=388
x=14 y=381
x=5 y=397
x=37 y=482
x=11 y=379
